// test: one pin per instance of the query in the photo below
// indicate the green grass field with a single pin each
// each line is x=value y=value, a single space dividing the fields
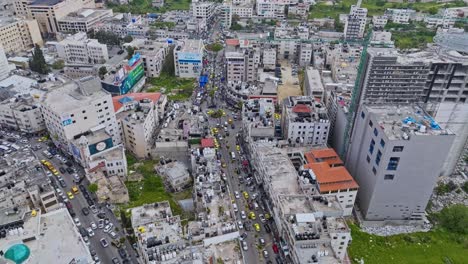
x=374 y=7
x=177 y=89
x=144 y=6
x=436 y=246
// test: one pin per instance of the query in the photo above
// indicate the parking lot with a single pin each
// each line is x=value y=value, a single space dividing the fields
x=96 y=222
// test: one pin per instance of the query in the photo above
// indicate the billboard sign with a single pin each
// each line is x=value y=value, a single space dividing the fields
x=189 y=57
x=66 y=120
x=132 y=78
x=134 y=59
x=100 y=146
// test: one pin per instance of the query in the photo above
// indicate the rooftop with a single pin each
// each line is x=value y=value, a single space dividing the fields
x=304 y=109
x=402 y=122
x=314 y=79
x=86 y=14
x=191 y=45
x=122 y=100
x=45 y=2
x=207 y=143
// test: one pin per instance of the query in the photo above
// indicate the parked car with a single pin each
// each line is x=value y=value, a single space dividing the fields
x=85 y=211
x=104 y=242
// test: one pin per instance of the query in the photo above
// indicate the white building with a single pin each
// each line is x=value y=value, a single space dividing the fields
x=305 y=54
x=243 y=11
x=313 y=85
x=79 y=49
x=304 y=121
x=22 y=114
x=153 y=54
x=83 y=20
x=19 y=35
x=204 y=10
x=271 y=8
x=226 y=15
x=176 y=173
x=379 y=22
x=188 y=56
x=269 y=58
x=356 y=23
x=138 y=116
x=400 y=16
x=77 y=107
x=4 y=68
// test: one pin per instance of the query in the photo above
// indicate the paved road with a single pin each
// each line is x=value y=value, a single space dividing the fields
x=79 y=202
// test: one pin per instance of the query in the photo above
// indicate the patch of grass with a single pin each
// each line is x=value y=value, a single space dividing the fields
x=131 y=160
x=186 y=194
x=435 y=246
x=413 y=35
x=161 y=24
x=177 y=89
x=144 y=6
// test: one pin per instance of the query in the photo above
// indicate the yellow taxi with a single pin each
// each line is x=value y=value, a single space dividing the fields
x=246 y=195
x=70 y=195
x=252 y=215
x=238 y=148
x=55 y=172
x=267 y=216
x=257 y=227
x=75 y=190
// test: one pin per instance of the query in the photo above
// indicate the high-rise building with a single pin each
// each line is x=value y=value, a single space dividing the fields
x=19 y=34
x=188 y=56
x=79 y=49
x=22 y=114
x=355 y=23
x=4 y=69
x=388 y=157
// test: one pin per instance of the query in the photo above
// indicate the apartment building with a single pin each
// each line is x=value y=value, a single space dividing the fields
x=355 y=23
x=188 y=56
x=310 y=227
x=157 y=3
x=392 y=78
x=386 y=153
x=226 y=15
x=243 y=11
x=269 y=58
x=79 y=49
x=338 y=105
x=22 y=114
x=325 y=168
x=138 y=116
x=400 y=16
x=304 y=121
x=204 y=10
x=305 y=54
x=126 y=24
x=271 y=8
x=4 y=67
x=83 y=20
x=235 y=66
x=299 y=9
x=48 y=12
x=344 y=61
x=313 y=85
x=153 y=54
x=379 y=22
x=258 y=120
x=77 y=107
x=19 y=34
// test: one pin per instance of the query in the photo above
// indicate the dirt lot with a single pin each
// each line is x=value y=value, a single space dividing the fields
x=288 y=88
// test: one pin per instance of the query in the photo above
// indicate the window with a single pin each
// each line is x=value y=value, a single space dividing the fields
x=376 y=133
x=393 y=163
x=363 y=115
x=382 y=143
x=374 y=170
x=371 y=147
x=370 y=123
x=397 y=148
x=368 y=159
x=377 y=159
x=389 y=177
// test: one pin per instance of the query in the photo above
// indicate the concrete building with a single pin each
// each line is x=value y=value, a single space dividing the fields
x=138 y=116
x=355 y=23
x=83 y=20
x=326 y=169
x=235 y=66
x=22 y=114
x=129 y=77
x=305 y=54
x=386 y=154
x=19 y=34
x=271 y=9
x=4 y=67
x=343 y=61
x=387 y=74
x=125 y=24
x=226 y=15
x=203 y=10
x=379 y=22
x=153 y=54
x=48 y=12
x=313 y=84
x=176 y=174
x=157 y=3
x=188 y=56
x=297 y=212
x=48 y=235
x=400 y=16
x=243 y=11
x=304 y=121
x=79 y=49
x=269 y=58
x=258 y=119
x=338 y=103
x=76 y=108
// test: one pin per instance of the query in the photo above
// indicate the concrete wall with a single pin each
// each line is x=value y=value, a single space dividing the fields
x=220 y=239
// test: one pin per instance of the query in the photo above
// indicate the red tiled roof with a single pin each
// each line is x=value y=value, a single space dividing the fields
x=232 y=42
x=327 y=155
x=135 y=96
x=301 y=108
x=207 y=143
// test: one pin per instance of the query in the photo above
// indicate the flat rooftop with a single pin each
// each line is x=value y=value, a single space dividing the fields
x=86 y=14
x=305 y=109
x=314 y=79
x=46 y=2
x=56 y=239
x=21 y=85
x=403 y=121
x=192 y=46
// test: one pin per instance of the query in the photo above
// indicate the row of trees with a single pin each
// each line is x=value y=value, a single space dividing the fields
x=109 y=38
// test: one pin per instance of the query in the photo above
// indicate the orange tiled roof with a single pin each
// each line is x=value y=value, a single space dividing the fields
x=301 y=108
x=116 y=101
x=232 y=42
x=207 y=143
x=327 y=155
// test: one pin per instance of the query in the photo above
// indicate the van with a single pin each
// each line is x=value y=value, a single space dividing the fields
x=233 y=155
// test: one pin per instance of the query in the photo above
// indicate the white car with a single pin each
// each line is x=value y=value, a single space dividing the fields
x=244 y=246
x=235 y=207
x=86 y=240
x=90 y=232
x=108 y=228
x=113 y=235
x=101 y=223
x=262 y=218
x=93 y=226
x=77 y=221
x=237 y=195
x=241 y=226
x=243 y=216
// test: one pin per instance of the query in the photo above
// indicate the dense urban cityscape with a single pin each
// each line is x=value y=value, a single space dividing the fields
x=233 y=131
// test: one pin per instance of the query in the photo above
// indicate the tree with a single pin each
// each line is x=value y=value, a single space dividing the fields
x=93 y=187
x=127 y=39
x=454 y=218
x=58 y=65
x=130 y=52
x=37 y=63
x=102 y=72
